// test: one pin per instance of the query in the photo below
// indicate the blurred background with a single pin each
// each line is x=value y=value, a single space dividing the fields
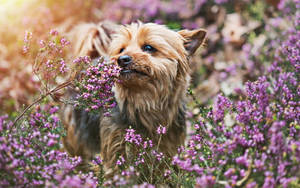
x=237 y=31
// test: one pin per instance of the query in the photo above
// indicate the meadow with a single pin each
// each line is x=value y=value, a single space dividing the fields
x=243 y=108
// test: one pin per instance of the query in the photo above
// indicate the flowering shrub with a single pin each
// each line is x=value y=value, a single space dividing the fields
x=30 y=156
x=253 y=141
x=96 y=85
x=30 y=150
x=93 y=80
x=144 y=162
x=50 y=63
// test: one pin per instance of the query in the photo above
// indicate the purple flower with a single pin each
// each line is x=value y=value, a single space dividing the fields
x=53 y=32
x=222 y=103
x=242 y=160
x=205 y=181
x=161 y=129
x=120 y=161
x=229 y=172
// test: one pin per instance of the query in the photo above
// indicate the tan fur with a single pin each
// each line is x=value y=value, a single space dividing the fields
x=156 y=97
x=92 y=39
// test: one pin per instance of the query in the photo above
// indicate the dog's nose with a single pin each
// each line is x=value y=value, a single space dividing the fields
x=124 y=60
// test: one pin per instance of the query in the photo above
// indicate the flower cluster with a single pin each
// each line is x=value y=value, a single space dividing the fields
x=161 y=129
x=50 y=65
x=30 y=156
x=27 y=40
x=96 y=85
x=93 y=80
x=143 y=158
x=132 y=137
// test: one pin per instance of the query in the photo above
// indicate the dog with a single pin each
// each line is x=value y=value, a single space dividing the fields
x=152 y=90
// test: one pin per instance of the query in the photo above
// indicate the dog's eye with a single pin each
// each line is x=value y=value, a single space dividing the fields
x=122 y=49
x=148 y=48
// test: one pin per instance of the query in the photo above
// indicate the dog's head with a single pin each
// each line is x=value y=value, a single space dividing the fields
x=155 y=70
x=153 y=55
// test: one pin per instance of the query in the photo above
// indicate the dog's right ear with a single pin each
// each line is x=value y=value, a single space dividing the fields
x=92 y=39
x=193 y=39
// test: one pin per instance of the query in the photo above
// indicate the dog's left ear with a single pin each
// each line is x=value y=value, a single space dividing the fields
x=193 y=39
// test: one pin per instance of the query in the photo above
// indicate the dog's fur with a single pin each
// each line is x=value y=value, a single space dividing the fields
x=153 y=94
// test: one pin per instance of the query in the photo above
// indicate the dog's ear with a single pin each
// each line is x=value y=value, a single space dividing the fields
x=92 y=39
x=193 y=39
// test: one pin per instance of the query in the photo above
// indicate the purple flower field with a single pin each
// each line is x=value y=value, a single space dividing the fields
x=243 y=116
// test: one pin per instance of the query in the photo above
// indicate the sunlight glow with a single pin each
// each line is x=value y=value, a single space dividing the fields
x=11 y=2
x=10 y=7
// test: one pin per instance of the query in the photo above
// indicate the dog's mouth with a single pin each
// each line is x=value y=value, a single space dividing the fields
x=126 y=71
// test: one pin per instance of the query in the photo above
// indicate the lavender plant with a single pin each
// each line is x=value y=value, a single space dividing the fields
x=94 y=80
x=253 y=141
x=30 y=156
x=49 y=67
x=142 y=162
x=30 y=149
x=96 y=84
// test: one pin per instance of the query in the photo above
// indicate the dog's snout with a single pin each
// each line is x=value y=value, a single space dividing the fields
x=124 y=60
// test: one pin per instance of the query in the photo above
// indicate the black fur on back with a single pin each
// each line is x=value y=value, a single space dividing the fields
x=88 y=128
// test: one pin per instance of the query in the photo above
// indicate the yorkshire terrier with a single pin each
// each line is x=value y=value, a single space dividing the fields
x=154 y=78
